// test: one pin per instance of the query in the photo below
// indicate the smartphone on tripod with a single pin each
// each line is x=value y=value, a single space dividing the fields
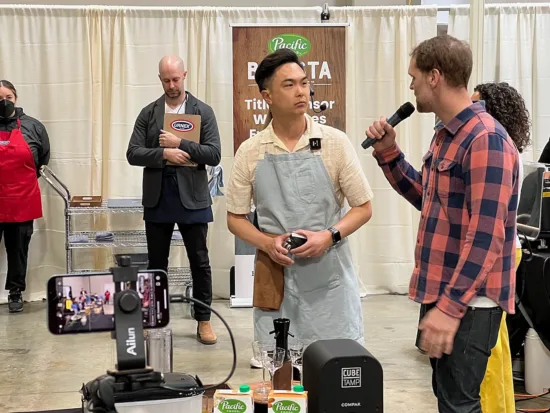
x=84 y=303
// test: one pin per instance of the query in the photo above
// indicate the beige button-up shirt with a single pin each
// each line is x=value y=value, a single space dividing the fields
x=339 y=157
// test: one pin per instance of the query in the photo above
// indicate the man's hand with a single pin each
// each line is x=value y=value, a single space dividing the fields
x=176 y=156
x=438 y=333
x=316 y=245
x=274 y=247
x=168 y=140
x=383 y=132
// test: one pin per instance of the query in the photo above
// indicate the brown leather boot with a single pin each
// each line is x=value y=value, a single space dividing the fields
x=205 y=334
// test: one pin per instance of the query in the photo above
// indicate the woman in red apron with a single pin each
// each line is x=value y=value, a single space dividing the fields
x=24 y=148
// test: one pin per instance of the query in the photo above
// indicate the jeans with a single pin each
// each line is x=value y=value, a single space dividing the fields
x=159 y=237
x=456 y=378
x=17 y=237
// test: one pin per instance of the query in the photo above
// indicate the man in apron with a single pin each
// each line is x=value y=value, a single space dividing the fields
x=298 y=174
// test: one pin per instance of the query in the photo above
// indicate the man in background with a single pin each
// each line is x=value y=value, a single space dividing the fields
x=174 y=190
x=467 y=191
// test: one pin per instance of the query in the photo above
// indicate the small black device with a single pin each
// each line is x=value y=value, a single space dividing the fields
x=341 y=376
x=85 y=303
x=336 y=237
x=315 y=144
x=294 y=241
x=325 y=14
x=406 y=110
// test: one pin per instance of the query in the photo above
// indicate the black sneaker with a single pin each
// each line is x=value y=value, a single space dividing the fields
x=15 y=301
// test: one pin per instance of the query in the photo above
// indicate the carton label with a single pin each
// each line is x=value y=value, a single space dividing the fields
x=286 y=406
x=232 y=406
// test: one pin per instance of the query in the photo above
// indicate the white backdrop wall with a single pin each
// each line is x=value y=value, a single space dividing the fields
x=515 y=50
x=86 y=72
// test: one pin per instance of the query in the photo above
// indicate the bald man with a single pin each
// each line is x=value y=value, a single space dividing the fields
x=175 y=191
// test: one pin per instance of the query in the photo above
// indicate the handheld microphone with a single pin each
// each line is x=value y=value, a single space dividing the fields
x=402 y=113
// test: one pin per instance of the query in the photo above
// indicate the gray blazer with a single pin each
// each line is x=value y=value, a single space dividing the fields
x=144 y=150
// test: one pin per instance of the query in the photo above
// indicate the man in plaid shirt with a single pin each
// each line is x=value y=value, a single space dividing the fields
x=467 y=193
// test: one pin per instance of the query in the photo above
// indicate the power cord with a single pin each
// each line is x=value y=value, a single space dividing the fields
x=234 y=366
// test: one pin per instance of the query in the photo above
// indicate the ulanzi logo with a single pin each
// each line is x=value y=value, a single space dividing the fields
x=182 y=125
x=232 y=406
x=286 y=406
x=299 y=44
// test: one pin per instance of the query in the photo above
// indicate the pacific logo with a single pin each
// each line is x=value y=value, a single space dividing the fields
x=182 y=126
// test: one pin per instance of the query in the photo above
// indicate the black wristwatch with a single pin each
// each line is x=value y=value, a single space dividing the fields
x=336 y=237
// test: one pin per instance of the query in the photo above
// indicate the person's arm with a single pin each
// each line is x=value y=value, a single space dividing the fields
x=138 y=154
x=208 y=151
x=401 y=175
x=489 y=167
x=44 y=155
x=238 y=201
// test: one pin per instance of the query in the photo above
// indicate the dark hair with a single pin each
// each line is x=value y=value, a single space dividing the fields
x=9 y=85
x=506 y=105
x=450 y=56
x=266 y=69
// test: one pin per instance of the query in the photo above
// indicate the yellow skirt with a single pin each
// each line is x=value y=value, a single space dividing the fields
x=497 y=388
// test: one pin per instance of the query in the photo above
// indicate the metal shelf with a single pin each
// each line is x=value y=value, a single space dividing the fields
x=104 y=209
x=177 y=276
x=121 y=239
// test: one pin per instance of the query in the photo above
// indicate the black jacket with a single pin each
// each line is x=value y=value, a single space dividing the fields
x=35 y=135
x=144 y=150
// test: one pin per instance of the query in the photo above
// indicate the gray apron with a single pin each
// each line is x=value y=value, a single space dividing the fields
x=321 y=295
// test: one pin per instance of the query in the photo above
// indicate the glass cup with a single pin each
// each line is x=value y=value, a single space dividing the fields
x=296 y=350
x=258 y=348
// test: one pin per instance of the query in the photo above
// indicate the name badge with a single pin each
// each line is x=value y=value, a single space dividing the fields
x=315 y=144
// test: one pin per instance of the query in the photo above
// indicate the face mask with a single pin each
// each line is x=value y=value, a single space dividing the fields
x=6 y=108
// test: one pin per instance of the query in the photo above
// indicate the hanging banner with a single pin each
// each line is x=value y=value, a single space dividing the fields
x=322 y=49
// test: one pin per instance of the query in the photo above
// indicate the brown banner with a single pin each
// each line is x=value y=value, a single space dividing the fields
x=321 y=48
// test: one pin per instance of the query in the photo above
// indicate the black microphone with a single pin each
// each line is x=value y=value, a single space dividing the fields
x=322 y=108
x=402 y=113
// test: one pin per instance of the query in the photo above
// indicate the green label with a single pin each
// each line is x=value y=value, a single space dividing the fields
x=284 y=406
x=299 y=44
x=232 y=406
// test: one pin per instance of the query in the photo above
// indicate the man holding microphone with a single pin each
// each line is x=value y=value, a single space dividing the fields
x=467 y=191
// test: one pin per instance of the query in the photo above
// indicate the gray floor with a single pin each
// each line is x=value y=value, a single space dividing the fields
x=41 y=371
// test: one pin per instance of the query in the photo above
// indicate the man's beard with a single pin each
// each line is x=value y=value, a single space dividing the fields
x=173 y=94
x=422 y=107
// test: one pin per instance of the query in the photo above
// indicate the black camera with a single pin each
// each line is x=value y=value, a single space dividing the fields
x=294 y=241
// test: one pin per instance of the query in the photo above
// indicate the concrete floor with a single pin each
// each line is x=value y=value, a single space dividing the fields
x=41 y=371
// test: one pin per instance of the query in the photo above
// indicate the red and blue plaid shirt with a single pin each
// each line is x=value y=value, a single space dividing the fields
x=467 y=194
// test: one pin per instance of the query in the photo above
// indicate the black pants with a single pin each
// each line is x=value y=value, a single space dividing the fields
x=456 y=378
x=159 y=236
x=17 y=237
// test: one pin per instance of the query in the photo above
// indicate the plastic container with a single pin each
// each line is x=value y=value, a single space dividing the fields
x=160 y=351
x=537 y=364
x=191 y=404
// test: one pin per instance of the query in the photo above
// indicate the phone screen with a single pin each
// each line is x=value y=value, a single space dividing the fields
x=84 y=303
